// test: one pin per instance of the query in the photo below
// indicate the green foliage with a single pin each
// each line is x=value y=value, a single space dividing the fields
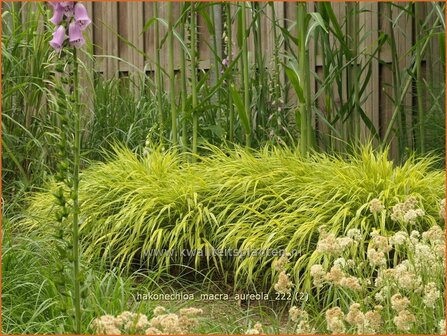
x=29 y=298
x=26 y=85
x=121 y=114
x=131 y=108
x=271 y=199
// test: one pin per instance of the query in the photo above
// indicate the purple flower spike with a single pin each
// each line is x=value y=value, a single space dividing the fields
x=81 y=16
x=68 y=7
x=75 y=35
x=67 y=3
x=58 y=39
x=57 y=15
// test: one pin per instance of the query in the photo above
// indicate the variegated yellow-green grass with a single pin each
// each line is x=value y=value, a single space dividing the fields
x=270 y=199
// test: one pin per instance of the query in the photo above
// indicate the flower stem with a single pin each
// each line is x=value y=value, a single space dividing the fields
x=75 y=197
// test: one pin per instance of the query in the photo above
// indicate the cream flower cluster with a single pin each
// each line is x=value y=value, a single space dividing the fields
x=284 y=285
x=335 y=276
x=280 y=263
x=301 y=319
x=442 y=327
x=377 y=249
x=335 y=320
x=413 y=282
x=136 y=323
x=407 y=211
x=404 y=319
x=330 y=244
x=368 y=322
x=127 y=322
x=256 y=330
x=376 y=206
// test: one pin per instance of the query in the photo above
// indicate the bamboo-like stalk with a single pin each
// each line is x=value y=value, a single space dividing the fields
x=158 y=75
x=419 y=90
x=401 y=121
x=326 y=56
x=245 y=66
x=230 y=60
x=304 y=71
x=216 y=53
x=276 y=79
x=172 y=74
x=356 y=80
x=184 y=90
x=195 y=118
x=352 y=70
x=217 y=23
x=259 y=65
x=404 y=91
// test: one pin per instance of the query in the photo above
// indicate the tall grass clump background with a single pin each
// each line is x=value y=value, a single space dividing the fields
x=245 y=96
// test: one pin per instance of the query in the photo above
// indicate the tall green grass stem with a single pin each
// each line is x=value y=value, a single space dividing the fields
x=419 y=82
x=245 y=77
x=304 y=70
x=75 y=197
x=172 y=74
x=195 y=117
x=158 y=76
x=404 y=91
x=184 y=89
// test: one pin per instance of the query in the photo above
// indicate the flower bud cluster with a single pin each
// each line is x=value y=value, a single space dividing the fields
x=71 y=14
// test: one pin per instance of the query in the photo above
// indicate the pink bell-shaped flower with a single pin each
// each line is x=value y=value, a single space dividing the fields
x=58 y=14
x=58 y=38
x=75 y=35
x=81 y=16
x=68 y=7
x=66 y=3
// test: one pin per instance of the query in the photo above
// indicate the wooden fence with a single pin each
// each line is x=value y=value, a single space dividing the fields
x=128 y=19
x=115 y=24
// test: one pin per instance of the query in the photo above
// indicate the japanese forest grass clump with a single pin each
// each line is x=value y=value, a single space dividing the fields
x=155 y=210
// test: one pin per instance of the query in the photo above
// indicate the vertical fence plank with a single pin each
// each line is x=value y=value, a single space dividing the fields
x=404 y=37
x=105 y=18
x=130 y=27
x=163 y=13
x=267 y=34
x=369 y=24
x=312 y=64
x=203 y=42
x=149 y=35
x=280 y=15
x=128 y=19
x=290 y=24
x=386 y=78
x=177 y=10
